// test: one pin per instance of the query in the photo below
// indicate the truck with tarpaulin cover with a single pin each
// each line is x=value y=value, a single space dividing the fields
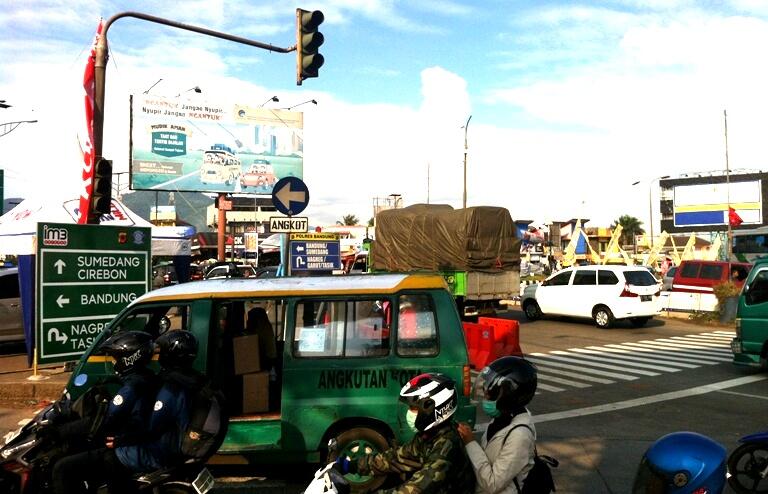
x=476 y=250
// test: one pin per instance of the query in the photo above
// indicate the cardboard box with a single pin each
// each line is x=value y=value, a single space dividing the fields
x=246 y=354
x=256 y=392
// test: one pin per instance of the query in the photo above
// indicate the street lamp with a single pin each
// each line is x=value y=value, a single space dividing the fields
x=465 y=127
x=195 y=89
x=8 y=127
x=273 y=98
x=314 y=102
x=650 y=202
x=153 y=85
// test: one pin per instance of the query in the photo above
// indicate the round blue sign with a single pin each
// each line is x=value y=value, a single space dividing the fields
x=290 y=195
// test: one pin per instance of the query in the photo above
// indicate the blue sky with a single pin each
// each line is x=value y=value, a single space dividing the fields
x=571 y=101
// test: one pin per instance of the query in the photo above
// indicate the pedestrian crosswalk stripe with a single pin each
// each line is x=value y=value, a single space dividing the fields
x=690 y=348
x=618 y=360
x=694 y=341
x=677 y=356
x=556 y=355
x=577 y=375
x=546 y=387
x=580 y=368
x=559 y=380
x=718 y=338
x=623 y=355
x=710 y=347
x=610 y=366
x=703 y=354
x=577 y=368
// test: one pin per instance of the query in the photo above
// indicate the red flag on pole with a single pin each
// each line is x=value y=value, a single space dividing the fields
x=733 y=217
x=89 y=84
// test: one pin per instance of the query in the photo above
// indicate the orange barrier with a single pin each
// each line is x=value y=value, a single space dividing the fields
x=491 y=338
x=472 y=338
x=506 y=339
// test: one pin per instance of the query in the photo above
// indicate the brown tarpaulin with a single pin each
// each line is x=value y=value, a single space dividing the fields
x=437 y=237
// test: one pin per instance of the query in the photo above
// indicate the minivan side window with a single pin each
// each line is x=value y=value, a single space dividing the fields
x=757 y=291
x=584 y=277
x=336 y=328
x=416 y=326
x=690 y=270
x=559 y=279
x=711 y=271
x=605 y=277
x=155 y=319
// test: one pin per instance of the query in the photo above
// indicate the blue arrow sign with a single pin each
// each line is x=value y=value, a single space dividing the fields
x=290 y=195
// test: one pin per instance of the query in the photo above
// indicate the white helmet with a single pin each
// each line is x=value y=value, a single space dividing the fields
x=434 y=395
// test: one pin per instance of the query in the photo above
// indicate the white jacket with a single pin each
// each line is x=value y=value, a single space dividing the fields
x=506 y=456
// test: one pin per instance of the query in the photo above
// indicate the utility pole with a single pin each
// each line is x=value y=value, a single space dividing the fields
x=466 y=126
x=729 y=235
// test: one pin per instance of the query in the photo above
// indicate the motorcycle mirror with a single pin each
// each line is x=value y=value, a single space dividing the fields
x=81 y=379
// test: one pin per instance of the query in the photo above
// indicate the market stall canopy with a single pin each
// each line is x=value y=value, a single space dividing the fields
x=18 y=226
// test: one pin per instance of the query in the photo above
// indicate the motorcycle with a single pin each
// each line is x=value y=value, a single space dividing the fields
x=748 y=465
x=328 y=480
x=28 y=454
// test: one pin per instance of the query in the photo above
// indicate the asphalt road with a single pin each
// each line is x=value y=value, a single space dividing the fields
x=613 y=393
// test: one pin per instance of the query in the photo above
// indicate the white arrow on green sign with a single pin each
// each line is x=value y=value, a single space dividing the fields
x=86 y=274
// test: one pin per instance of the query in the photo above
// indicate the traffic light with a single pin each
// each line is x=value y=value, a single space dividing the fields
x=308 y=41
x=102 y=187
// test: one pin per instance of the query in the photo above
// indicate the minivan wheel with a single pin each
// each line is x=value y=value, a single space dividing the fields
x=356 y=442
x=639 y=322
x=603 y=317
x=532 y=310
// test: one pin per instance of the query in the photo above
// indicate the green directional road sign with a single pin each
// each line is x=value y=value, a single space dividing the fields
x=86 y=274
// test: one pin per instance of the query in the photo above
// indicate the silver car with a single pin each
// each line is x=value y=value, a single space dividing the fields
x=11 y=325
x=668 y=277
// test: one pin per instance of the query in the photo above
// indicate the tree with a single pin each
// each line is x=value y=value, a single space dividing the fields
x=371 y=221
x=630 y=226
x=348 y=220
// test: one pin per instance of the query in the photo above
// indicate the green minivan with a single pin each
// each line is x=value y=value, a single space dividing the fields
x=336 y=353
x=750 y=346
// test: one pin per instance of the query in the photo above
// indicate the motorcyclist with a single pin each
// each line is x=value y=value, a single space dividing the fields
x=434 y=460
x=682 y=463
x=506 y=453
x=124 y=422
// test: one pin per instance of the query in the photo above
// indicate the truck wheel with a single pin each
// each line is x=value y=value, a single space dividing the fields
x=532 y=310
x=603 y=317
x=355 y=443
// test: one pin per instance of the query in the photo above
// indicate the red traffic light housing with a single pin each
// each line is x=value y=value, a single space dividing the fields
x=308 y=41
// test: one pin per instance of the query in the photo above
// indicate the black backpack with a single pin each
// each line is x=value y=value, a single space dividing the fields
x=208 y=422
x=539 y=479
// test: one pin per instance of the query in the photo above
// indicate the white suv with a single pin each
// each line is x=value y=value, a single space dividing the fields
x=603 y=293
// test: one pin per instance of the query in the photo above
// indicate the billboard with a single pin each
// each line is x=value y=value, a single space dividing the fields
x=701 y=203
x=180 y=145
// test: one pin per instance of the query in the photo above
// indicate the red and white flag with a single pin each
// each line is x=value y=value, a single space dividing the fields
x=89 y=84
x=733 y=217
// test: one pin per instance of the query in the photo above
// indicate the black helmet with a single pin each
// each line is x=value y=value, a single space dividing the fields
x=509 y=381
x=130 y=349
x=177 y=349
x=435 y=397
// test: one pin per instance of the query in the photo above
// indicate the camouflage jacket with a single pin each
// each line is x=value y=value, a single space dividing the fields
x=429 y=464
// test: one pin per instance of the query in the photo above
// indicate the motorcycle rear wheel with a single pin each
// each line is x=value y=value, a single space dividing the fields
x=745 y=465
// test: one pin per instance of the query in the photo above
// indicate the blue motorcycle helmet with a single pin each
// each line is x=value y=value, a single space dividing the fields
x=682 y=463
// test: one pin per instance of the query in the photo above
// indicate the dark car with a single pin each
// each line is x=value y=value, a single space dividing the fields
x=11 y=325
x=230 y=270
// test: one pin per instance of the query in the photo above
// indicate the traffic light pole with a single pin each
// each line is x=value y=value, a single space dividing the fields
x=100 y=74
